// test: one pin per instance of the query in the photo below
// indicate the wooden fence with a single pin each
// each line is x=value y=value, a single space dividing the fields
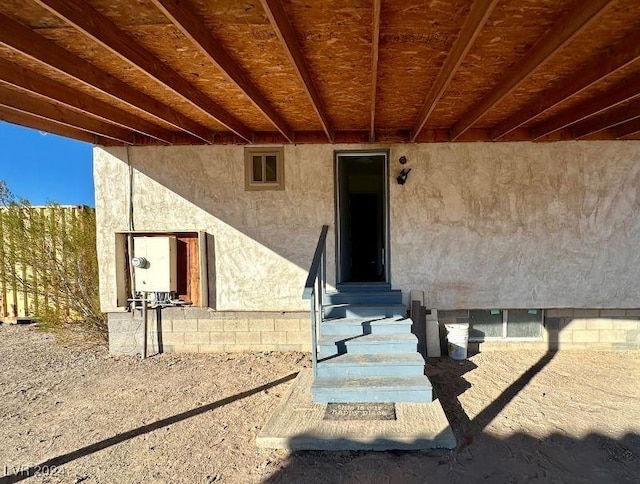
x=19 y=261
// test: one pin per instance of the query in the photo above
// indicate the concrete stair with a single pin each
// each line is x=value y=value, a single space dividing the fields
x=367 y=350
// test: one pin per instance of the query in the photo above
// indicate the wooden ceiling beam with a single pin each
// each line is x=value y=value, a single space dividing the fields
x=49 y=111
x=630 y=128
x=560 y=34
x=289 y=39
x=375 y=47
x=615 y=95
x=608 y=62
x=34 y=83
x=25 y=41
x=608 y=119
x=194 y=29
x=101 y=29
x=28 y=121
x=479 y=14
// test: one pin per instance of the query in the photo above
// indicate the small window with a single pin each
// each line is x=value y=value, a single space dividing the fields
x=264 y=168
x=489 y=324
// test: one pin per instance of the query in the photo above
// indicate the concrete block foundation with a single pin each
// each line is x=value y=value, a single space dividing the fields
x=199 y=330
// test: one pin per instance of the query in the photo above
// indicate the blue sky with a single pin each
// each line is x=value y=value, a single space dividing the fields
x=45 y=167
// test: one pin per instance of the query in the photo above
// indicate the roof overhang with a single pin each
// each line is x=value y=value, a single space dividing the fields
x=162 y=72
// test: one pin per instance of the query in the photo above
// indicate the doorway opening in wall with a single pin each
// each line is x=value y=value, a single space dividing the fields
x=362 y=235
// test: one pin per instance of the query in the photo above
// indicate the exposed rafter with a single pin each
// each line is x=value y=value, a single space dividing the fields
x=375 y=44
x=22 y=39
x=555 y=39
x=34 y=122
x=613 y=117
x=192 y=27
x=477 y=18
x=289 y=39
x=49 y=111
x=29 y=81
x=101 y=29
x=603 y=65
x=617 y=94
x=630 y=128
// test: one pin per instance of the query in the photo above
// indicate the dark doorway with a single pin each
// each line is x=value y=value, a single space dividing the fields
x=362 y=205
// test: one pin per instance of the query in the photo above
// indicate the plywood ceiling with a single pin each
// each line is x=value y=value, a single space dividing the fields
x=166 y=72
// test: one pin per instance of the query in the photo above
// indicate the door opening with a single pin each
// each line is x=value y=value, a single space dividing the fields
x=362 y=217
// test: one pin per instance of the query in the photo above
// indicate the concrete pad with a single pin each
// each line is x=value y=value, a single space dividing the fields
x=297 y=424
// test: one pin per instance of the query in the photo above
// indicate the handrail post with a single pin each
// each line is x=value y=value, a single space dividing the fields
x=314 y=289
x=314 y=337
x=323 y=281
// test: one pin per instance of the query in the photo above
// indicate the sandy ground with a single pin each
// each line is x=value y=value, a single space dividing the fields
x=78 y=415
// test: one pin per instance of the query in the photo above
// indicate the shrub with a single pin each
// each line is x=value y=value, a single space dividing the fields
x=49 y=255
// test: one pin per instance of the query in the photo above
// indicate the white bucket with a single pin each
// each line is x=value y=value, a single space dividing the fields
x=457 y=340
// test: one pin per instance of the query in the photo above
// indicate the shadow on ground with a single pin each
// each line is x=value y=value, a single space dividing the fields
x=479 y=456
x=518 y=458
x=56 y=462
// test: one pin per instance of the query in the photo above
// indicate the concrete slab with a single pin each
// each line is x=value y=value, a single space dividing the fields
x=298 y=424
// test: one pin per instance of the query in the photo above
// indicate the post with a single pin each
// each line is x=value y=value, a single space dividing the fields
x=323 y=279
x=144 y=325
x=314 y=341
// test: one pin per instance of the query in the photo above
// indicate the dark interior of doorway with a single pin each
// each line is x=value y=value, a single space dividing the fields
x=362 y=213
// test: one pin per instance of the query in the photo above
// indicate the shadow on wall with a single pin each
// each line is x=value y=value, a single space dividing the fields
x=286 y=222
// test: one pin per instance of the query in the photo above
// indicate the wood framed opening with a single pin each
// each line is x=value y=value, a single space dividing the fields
x=193 y=253
x=362 y=228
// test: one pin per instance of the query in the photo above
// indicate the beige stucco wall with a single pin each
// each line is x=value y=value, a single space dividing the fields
x=477 y=224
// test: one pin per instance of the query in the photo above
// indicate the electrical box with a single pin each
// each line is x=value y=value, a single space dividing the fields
x=154 y=264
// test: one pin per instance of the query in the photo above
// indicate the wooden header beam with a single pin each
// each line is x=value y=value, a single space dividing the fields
x=52 y=112
x=16 y=117
x=555 y=39
x=22 y=39
x=608 y=119
x=605 y=64
x=375 y=50
x=477 y=18
x=375 y=47
x=617 y=94
x=192 y=27
x=630 y=128
x=101 y=29
x=289 y=39
x=29 y=81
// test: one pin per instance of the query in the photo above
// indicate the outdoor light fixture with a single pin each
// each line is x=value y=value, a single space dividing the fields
x=402 y=177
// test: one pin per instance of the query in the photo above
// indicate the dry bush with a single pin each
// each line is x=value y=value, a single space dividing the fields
x=49 y=254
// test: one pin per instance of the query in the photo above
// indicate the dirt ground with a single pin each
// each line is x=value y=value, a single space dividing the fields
x=78 y=415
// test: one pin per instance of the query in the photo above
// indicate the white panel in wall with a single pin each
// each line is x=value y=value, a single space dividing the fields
x=159 y=273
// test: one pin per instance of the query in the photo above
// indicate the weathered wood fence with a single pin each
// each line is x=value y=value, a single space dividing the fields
x=27 y=236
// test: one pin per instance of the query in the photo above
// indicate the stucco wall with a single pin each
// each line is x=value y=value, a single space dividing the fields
x=264 y=240
x=478 y=225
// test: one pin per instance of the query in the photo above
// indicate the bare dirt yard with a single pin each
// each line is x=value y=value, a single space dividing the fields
x=77 y=415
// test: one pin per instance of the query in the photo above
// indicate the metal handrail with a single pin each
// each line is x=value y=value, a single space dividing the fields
x=314 y=290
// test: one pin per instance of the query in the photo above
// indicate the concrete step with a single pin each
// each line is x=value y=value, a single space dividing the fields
x=364 y=311
x=354 y=365
x=367 y=344
x=359 y=326
x=363 y=286
x=372 y=389
x=364 y=297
